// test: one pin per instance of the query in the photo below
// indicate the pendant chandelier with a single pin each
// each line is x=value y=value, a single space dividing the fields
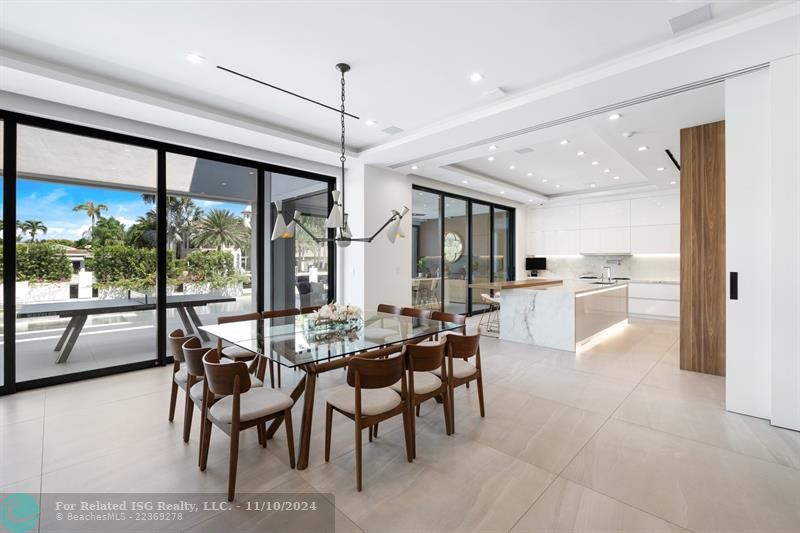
x=337 y=218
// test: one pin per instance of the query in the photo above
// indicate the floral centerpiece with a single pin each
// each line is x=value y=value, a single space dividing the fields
x=336 y=316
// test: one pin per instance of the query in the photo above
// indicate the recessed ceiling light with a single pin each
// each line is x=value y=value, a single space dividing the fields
x=490 y=158
x=195 y=58
x=530 y=174
x=660 y=169
x=252 y=172
x=475 y=77
x=616 y=177
x=673 y=182
x=493 y=147
x=502 y=192
x=370 y=122
x=628 y=134
x=642 y=148
x=558 y=186
x=593 y=185
x=595 y=162
x=581 y=153
x=414 y=167
x=564 y=141
x=127 y=150
x=544 y=180
x=464 y=182
x=606 y=170
x=530 y=199
x=512 y=167
x=224 y=183
x=615 y=116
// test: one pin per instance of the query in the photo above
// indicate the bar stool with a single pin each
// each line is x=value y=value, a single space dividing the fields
x=491 y=316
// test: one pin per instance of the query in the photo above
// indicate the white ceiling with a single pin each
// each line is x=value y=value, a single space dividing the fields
x=411 y=64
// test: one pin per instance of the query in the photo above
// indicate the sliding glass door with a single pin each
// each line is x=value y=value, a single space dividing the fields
x=112 y=241
x=458 y=241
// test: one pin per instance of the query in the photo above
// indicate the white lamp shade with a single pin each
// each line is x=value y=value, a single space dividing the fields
x=281 y=230
x=393 y=230
x=335 y=217
x=404 y=211
x=346 y=234
x=401 y=233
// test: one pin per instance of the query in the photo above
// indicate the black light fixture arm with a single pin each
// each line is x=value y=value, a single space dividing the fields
x=395 y=216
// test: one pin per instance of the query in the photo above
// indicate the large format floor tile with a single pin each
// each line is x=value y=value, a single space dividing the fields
x=691 y=484
x=567 y=507
x=454 y=484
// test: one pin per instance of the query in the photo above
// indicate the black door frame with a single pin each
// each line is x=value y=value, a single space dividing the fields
x=10 y=121
x=511 y=239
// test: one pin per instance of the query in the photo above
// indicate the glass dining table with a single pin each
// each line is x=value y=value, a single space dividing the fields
x=298 y=342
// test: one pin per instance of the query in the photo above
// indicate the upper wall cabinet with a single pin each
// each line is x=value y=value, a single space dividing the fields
x=557 y=218
x=610 y=241
x=606 y=215
x=656 y=211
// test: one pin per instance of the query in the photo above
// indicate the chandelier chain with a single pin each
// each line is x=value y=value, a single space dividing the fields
x=342 y=158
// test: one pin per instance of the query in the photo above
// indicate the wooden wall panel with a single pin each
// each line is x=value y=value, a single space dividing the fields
x=703 y=283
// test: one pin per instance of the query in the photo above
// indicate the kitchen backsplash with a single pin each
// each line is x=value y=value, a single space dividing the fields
x=636 y=267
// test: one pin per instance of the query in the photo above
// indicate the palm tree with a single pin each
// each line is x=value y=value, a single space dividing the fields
x=108 y=231
x=32 y=227
x=183 y=217
x=93 y=211
x=220 y=228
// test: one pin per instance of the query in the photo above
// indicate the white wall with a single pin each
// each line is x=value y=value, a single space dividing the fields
x=785 y=135
x=748 y=197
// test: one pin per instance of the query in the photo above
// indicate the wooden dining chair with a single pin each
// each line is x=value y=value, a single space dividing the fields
x=423 y=384
x=459 y=371
x=416 y=313
x=451 y=317
x=232 y=405
x=193 y=352
x=311 y=309
x=237 y=353
x=278 y=313
x=368 y=398
x=175 y=344
x=390 y=309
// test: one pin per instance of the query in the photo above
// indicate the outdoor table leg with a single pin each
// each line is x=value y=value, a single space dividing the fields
x=76 y=331
x=187 y=324
x=196 y=319
x=73 y=319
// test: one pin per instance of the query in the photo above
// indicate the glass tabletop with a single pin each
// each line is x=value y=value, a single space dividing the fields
x=296 y=341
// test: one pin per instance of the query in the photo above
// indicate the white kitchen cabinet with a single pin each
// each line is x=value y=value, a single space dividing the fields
x=605 y=215
x=562 y=242
x=664 y=239
x=656 y=211
x=608 y=241
x=654 y=300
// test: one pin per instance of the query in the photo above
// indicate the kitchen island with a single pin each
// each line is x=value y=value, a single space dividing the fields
x=562 y=316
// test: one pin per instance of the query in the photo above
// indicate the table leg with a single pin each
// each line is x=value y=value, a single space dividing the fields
x=308 y=414
x=76 y=331
x=196 y=319
x=64 y=335
x=298 y=391
x=187 y=324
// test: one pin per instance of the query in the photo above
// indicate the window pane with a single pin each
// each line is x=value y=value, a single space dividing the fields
x=300 y=264
x=455 y=255
x=211 y=213
x=502 y=246
x=481 y=253
x=86 y=267
x=426 y=250
x=2 y=308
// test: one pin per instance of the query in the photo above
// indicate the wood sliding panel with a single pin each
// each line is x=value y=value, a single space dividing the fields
x=703 y=281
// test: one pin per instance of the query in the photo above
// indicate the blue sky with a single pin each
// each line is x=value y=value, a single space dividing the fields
x=52 y=203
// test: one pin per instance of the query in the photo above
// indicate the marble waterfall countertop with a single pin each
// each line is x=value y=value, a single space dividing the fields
x=562 y=316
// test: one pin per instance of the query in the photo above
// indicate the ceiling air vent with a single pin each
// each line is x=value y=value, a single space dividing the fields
x=690 y=19
x=392 y=130
x=523 y=151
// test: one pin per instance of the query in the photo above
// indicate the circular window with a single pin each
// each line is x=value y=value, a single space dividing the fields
x=453 y=247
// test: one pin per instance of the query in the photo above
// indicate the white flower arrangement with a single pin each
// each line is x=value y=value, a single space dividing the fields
x=334 y=312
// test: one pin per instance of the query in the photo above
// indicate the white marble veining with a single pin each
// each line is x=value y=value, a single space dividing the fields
x=540 y=317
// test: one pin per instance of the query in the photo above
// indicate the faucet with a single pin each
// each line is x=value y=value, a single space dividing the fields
x=606 y=274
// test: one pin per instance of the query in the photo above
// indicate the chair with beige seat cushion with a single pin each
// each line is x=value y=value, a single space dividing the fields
x=451 y=317
x=368 y=398
x=459 y=349
x=175 y=346
x=423 y=384
x=231 y=404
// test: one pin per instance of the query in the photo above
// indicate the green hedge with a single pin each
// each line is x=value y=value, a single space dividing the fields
x=208 y=265
x=41 y=262
x=120 y=265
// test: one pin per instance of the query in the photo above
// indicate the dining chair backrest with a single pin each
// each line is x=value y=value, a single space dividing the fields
x=221 y=377
x=391 y=309
x=416 y=313
x=193 y=352
x=451 y=317
x=462 y=346
x=375 y=373
x=307 y=310
x=176 y=340
x=425 y=358
x=278 y=313
x=238 y=318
